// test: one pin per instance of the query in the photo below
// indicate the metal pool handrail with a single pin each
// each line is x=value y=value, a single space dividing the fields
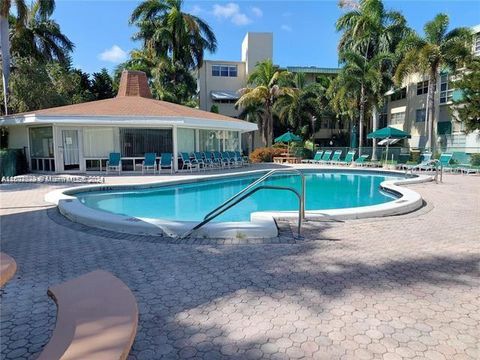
x=233 y=200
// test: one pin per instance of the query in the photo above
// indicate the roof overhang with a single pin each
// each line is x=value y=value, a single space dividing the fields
x=154 y=121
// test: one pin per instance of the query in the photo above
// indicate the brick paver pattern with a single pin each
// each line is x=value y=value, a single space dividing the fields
x=403 y=287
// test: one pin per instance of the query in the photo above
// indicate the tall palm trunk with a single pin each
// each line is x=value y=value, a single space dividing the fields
x=362 y=119
x=374 y=127
x=5 y=48
x=431 y=110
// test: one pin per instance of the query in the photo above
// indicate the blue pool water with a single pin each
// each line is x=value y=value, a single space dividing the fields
x=191 y=202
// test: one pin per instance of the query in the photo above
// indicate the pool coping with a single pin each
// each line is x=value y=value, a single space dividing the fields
x=261 y=224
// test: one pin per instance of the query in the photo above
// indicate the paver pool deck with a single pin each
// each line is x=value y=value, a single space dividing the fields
x=391 y=288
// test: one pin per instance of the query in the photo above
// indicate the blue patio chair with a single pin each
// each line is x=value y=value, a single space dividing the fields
x=226 y=159
x=114 y=163
x=237 y=160
x=198 y=156
x=149 y=162
x=325 y=157
x=209 y=159
x=336 y=157
x=316 y=157
x=186 y=162
x=166 y=162
x=348 y=158
x=245 y=160
x=217 y=159
x=362 y=160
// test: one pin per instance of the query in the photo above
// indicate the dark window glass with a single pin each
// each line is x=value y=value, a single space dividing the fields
x=422 y=87
x=232 y=71
x=420 y=115
x=137 y=142
x=215 y=70
x=224 y=71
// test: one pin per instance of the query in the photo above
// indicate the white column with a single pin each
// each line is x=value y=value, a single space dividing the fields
x=175 y=148
x=197 y=140
x=240 y=141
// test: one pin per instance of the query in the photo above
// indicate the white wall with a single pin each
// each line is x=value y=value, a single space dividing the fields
x=17 y=137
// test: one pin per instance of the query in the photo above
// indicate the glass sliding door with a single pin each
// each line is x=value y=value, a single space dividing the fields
x=211 y=140
x=41 y=149
x=71 y=150
x=232 y=140
x=186 y=141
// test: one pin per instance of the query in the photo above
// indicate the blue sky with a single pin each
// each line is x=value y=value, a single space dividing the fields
x=304 y=32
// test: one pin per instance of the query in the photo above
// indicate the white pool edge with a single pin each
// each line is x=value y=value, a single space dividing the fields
x=261 y=224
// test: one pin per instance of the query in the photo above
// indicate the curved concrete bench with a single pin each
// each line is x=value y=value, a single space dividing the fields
x=8 y=267
x=97 y=318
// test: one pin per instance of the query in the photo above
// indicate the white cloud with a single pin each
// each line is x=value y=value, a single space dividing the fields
x=115 y=54
x=257 y=11
x=286 y=28
x=231 y=11
x=196 y=10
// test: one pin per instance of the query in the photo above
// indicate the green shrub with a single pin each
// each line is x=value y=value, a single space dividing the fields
x=415 y=156
x=475 y=159
x=265 y=154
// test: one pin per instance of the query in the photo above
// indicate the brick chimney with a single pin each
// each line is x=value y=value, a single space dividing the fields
x=134 y=83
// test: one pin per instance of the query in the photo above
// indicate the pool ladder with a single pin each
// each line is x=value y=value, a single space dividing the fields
x=252 y=189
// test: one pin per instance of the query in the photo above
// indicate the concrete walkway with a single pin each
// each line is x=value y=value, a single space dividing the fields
x=392 y=288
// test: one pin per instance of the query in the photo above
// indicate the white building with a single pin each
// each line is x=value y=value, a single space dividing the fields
x=406 y=110
x=79 y=138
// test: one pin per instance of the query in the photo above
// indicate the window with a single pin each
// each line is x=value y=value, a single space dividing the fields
x=420 y=115
x=422 y=87
x=41 y=142
x=397 y=118
x=225 y=101
x=186 y=140
x=224 y=70
x=476 y=47
x=399 y=94
x=137 y=142
x=211 y=140
x=446 y=90
x=232 y=142
x=98 y=142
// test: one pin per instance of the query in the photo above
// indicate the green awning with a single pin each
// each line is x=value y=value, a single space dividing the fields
x=388 y=133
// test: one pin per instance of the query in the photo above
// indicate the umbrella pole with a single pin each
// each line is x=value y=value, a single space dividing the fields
x=386 y=155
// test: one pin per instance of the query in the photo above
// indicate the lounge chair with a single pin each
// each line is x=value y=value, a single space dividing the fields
x=444 y=160
x=317 y=157
x=149 y=162
x=114 y=163
x=348 y=158
x=362 y=160
x=325 y=157
x=425 y=164
x=187 y=163
x=166 y=162
x=237 y=160
x=198 y=156
x=335 y=158
x=245 y=160
x=209 y=160
x=217 y=159
x=226 y=159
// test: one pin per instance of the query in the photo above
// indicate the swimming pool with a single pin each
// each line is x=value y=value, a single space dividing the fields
x=192 y=201
x=173 y=206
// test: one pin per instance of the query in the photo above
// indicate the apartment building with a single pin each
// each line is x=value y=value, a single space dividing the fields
x=219 y=82
x=406 y=110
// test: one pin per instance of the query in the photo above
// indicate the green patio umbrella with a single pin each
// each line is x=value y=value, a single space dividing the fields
x=288 y=137
x=388 y=133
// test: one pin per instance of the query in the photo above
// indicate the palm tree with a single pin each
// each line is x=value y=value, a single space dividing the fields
x=41 y=38
x=300 y=107
x=369 y=29
x=269 y=83
x=46 y=8
x=360 y=83
x=428 y=54
x=172 y=32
